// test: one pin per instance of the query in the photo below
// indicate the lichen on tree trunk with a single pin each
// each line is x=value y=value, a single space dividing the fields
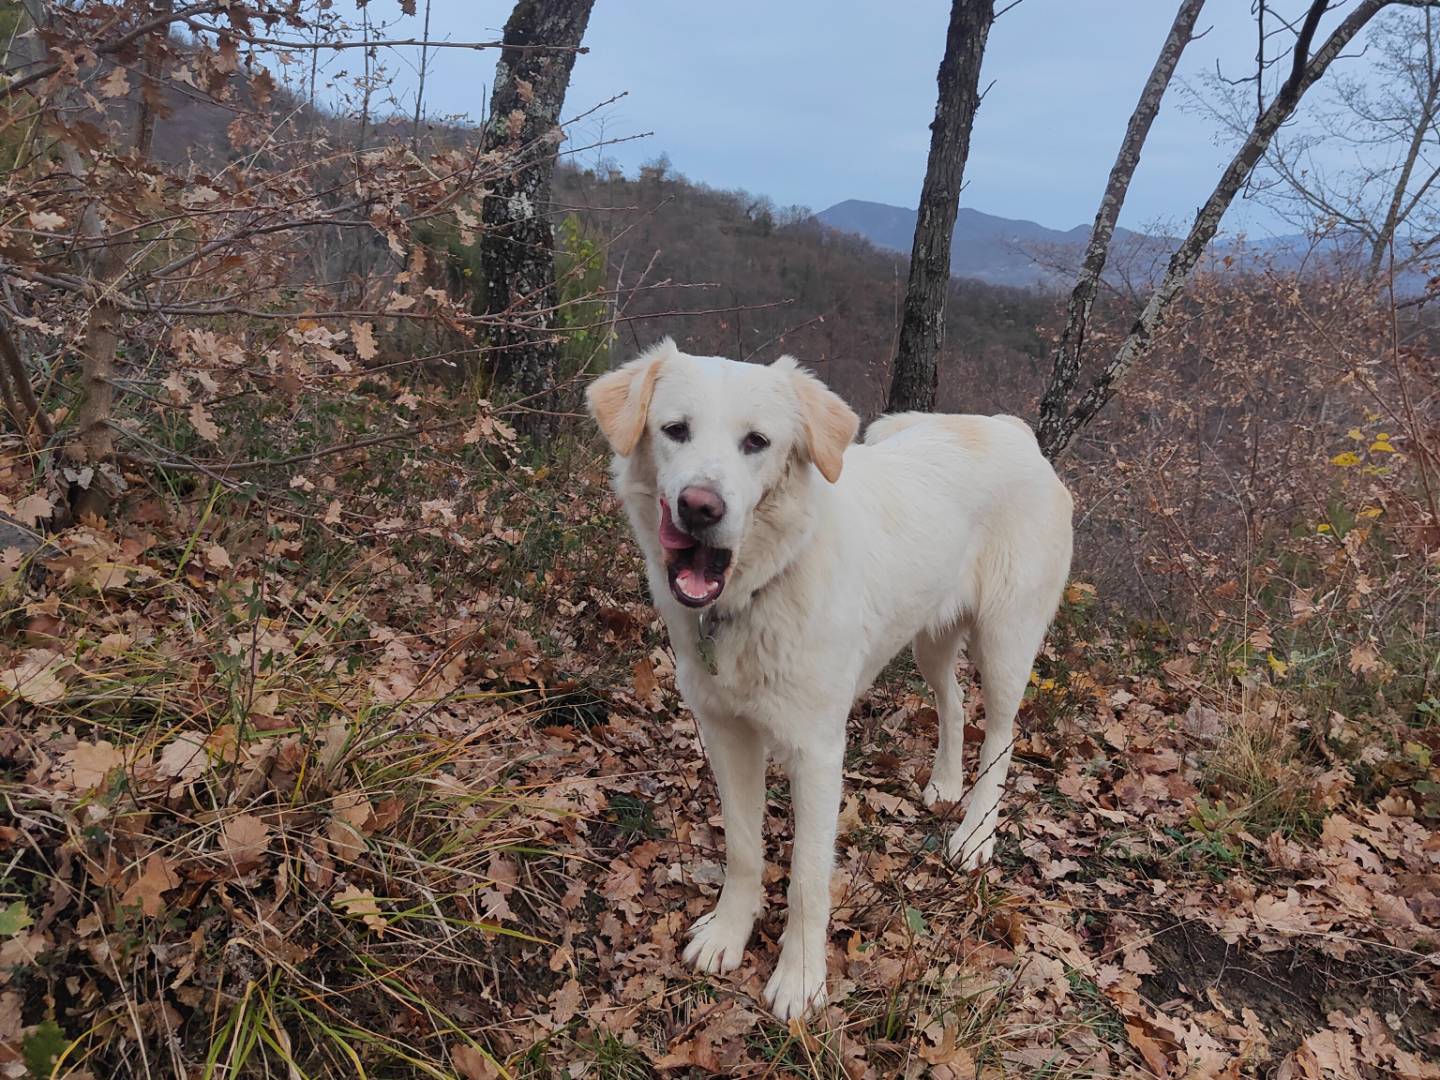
x=518 y=242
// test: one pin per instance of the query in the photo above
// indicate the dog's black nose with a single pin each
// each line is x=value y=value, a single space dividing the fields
x=699 y=508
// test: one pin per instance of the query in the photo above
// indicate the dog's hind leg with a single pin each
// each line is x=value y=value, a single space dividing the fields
x=935 y=654
x=737 y=756
x=1004 y=654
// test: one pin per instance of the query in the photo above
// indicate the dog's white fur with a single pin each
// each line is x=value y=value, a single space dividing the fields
x=938 y=530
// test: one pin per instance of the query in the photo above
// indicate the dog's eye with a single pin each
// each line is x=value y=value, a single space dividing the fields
x=754 y=443
x=678 y=430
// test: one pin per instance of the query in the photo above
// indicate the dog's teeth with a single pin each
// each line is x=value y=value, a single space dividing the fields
x=693 y=585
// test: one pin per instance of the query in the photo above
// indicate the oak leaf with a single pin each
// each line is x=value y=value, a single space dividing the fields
x=244 y=838
x=149 y=889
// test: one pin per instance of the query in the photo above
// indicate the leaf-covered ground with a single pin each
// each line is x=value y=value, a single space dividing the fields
x=383 y=772
x=1129 y=927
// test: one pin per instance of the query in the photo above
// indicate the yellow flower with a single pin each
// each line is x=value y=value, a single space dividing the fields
x=1278 y=666
x=1345 y=459
x=1322 y=528
x=1356 y=434
x=1381 y=445
x=1370 y=512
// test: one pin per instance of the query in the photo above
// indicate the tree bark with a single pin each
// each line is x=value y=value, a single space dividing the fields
x=518 y=241
x=1306 y=70
x=916 y=373
x=1069 y=351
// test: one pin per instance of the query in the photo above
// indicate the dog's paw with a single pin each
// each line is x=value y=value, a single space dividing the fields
x=970 y=850
x=943 y=789
x=798 y=986
x=717 y=942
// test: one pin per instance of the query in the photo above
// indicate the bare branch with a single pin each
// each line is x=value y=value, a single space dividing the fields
x=1069 y=352
x=296 y=45
x=123 y=42
x=1305 y=70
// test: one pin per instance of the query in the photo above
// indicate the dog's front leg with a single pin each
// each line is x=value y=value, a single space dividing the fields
x=815 y=768
x=737 y=756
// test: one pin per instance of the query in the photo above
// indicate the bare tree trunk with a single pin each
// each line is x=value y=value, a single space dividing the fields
x=1305 y=71
x=31 y=420
x=314 y=65
x=367 y=88
x=154 y=62
x=916 y=373
x=1425 y=121
x=518 y=241
x=94 y=445
x=1069 y=352
x=94 y=442
x=420 y=89
x=363 y=240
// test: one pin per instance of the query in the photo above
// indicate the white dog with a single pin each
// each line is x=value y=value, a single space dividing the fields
x=790 y=566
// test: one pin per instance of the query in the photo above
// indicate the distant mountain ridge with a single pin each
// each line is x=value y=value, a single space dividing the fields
x=986 y=247
x=1009 y=251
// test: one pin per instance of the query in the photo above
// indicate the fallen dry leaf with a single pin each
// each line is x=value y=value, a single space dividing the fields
x=184 y=758
x=471 y=1064
x=243 y=839
x=155 y=880
x=91 y=763
x=36 y=678
x=361 y=903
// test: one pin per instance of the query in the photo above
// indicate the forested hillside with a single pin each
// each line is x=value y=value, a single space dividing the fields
x=339 y=735
x=777 y=281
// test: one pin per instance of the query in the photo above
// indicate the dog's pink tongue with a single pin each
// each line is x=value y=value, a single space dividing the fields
x=671 y=538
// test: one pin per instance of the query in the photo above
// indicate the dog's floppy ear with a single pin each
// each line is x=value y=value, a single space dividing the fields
x=620 y=400
x=830 y=424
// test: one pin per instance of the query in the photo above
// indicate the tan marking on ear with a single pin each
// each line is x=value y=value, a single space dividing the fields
x=830 y=424
x=620 y=399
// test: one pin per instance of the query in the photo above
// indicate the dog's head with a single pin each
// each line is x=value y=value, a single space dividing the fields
x=721 y=435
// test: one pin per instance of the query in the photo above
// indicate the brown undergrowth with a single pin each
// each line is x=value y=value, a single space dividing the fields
x=407 y=790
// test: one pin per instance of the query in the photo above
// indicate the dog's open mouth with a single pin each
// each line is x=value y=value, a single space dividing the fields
x=696 y=570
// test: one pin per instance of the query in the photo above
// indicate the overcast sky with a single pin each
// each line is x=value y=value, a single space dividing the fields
x=816 y=101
